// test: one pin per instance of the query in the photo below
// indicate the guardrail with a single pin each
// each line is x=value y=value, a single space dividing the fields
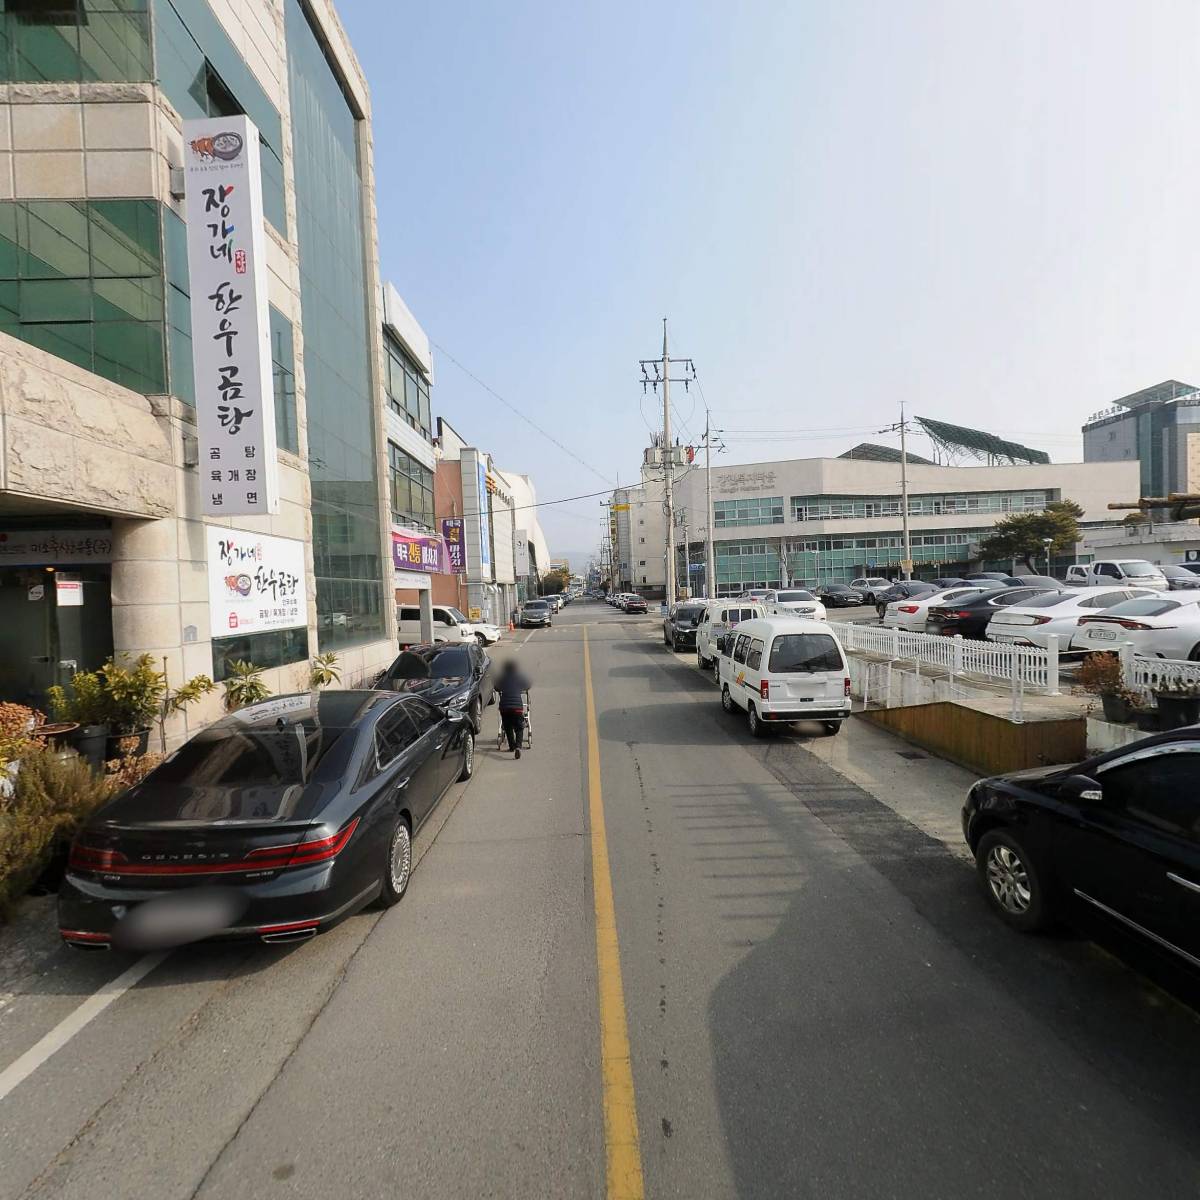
x=1026 y=666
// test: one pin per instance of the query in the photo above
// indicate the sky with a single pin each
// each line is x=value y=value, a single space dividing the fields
x=985 y=210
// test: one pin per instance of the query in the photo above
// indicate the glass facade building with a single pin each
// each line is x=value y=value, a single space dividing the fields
x=340 y=408
x=410 y=489
x=407 y=391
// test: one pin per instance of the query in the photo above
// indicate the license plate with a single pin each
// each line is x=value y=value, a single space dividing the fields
x=1104 y=635
x=1006 y=637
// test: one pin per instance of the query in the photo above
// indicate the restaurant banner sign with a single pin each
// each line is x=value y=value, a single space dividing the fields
x=255 y=582
x=413 y=551
x=33 y=547
x=231 y=347
x=456 y=547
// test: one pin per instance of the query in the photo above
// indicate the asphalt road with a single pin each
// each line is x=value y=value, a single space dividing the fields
x=817 y=1002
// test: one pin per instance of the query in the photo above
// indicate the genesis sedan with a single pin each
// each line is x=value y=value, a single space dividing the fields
x=272 y=824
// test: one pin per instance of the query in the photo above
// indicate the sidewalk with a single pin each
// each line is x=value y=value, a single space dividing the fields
x=916 y=784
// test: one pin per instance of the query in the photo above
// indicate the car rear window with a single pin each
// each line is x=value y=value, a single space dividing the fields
x=251 y=758
x=439 y=663
x=804 y=652
x=1050 y=600
x=1144 y=606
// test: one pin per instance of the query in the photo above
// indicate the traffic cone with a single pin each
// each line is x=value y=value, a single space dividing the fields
x=511 y=627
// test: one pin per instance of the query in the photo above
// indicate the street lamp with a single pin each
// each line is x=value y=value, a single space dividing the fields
x=1047 y=542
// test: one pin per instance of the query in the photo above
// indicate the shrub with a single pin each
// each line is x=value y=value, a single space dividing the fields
x=244 y=685
x=130 y=769
x=53 y=795
x=324 y=670
x=17 y=737
x=1101 y=675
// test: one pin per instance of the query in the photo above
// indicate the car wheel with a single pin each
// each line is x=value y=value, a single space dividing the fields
x=481 y=640
x=833 y=727
x=666 y=640
x=1012 y=881
x=477 y=714
x=757 y=727
x=398 y=869
x=468 y=766
x=881 y=610
x=700 y=661
x=1194 y=656
x=716 y=670
x=726 y=699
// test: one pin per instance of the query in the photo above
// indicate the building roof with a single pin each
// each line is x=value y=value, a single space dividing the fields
x=1160 y=393
x=979 y=444
x=871 y=452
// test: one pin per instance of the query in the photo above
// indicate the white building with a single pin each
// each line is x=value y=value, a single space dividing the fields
x=815 y=521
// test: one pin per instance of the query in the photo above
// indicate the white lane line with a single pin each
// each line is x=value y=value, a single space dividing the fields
x=17 y=1072
x=527 y=637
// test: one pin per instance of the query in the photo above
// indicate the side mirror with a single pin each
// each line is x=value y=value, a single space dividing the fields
x=1081 y=787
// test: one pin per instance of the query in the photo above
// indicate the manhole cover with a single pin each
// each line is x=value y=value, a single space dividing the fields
x=911 y=754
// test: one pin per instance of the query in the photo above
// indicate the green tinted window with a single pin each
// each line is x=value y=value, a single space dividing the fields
x=338 y=345
x=82 y=280
x=71 y=41
x=283 y=374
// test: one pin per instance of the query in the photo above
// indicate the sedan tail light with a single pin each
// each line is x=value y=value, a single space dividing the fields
x=908 y=608
x=266 y=858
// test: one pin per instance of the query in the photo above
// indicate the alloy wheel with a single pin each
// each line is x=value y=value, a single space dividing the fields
x=400 y=859
x=1008 y=879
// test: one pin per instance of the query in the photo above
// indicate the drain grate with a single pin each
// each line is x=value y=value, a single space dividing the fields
x=911 y=754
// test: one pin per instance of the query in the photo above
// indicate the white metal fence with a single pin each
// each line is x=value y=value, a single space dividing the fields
x=1020 y=666
x=1145 y=675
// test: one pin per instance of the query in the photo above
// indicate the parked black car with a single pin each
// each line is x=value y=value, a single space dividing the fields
x=457 y=677
x=273 y=824
x=535 y=614
x=1115 y=837
x=838 y=595
x=998 y=576
x=635 y=604
x=905 y=589
x=948 y=582
x=679 y=626
x=970 y=615
x=1046 y=581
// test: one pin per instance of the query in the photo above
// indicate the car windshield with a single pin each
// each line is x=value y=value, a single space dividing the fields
x=1144 y=606
x=458 y=616
x=1137 y=569
x=536 y=605
x=451 y=662
x=1176 y=573
x=794 y=595
x=792 y=652
x=688 y=616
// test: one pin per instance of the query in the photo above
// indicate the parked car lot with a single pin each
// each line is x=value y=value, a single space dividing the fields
x=869 y=587
x=970 y=616
x=1116 y=836
x=906 y=589
x=272 y=824
x=838 y=595
x=1032 y=621
x=910 y=614
x=794 y=600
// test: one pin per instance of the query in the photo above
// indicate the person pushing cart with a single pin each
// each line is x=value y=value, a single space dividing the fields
x=512 y=688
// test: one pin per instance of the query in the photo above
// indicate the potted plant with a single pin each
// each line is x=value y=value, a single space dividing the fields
x=85 y=706
x=244 y=685
x=324 y=671
x=1101 y=675
x=133 y=696
x=1178 y=702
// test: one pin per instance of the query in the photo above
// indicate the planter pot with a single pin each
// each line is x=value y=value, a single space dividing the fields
x=1178 y=710
x=1148 y=720
x=57 y=735
x=89 y=742
x=112 y=747
x=1116 y=708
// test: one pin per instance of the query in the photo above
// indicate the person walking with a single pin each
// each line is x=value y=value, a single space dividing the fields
x=511 y=687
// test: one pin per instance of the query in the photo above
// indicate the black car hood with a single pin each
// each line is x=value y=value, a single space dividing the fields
x=1030 y=774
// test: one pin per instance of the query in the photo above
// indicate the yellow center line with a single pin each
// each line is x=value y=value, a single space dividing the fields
x=623 y=1155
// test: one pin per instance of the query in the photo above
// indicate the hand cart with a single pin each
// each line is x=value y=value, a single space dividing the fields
x=527 y=741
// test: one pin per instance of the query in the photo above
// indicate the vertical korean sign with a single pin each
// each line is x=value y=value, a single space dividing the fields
x=231 y=350
x=452 y=535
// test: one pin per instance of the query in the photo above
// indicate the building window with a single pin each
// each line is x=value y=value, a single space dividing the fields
x=641 y=562
x=837 y=508
x=642 y=541
x=339 y=401
x=407 y=390
x=411 y=489
x=75 y=41
x=84 y=280
x=758 y=510
x=202 y=73
x=274 y=649
x=283 y=377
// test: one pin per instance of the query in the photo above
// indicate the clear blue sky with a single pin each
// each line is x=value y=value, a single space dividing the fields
x=986 y=209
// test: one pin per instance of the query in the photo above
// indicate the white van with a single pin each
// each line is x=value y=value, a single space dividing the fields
x=720 y=616
x=784 y=669
x=449 y=625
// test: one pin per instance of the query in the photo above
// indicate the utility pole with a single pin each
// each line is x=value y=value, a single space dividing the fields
x=710 y=557
x=901 y=426
x=662 y=374
x=687 y=556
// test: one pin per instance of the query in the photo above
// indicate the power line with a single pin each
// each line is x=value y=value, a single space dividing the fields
x=541 y=503
x=513 y=408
